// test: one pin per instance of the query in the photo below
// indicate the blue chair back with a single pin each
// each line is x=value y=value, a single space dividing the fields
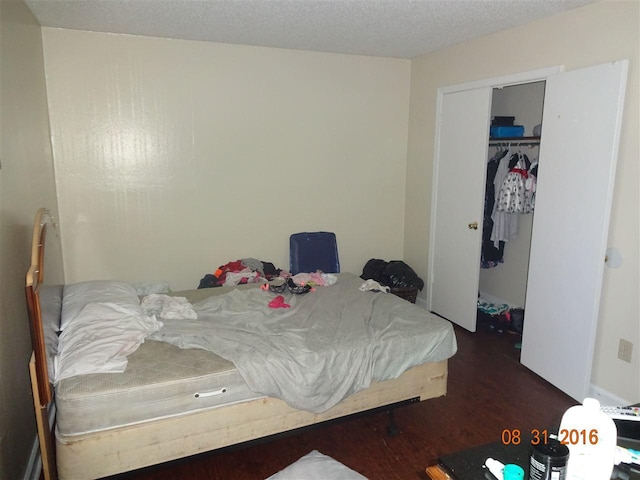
x=312 y=251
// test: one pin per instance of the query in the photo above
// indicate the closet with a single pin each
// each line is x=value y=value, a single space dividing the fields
x=504 y=265
x=561 y=284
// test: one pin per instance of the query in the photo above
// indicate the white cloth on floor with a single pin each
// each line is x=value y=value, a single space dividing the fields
x=317 y=466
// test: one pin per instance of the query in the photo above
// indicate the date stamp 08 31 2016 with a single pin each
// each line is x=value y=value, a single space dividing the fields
x=565 y=436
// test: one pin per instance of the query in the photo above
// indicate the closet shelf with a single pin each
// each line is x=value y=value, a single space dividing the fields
x=521 y=141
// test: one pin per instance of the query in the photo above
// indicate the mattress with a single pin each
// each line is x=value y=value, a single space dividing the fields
x=160 y=381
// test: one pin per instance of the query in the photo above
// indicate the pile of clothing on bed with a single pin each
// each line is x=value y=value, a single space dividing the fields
x=250 y=270
x=241 y=272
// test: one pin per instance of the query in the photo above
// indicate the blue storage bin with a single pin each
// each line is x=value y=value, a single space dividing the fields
x=505 y=131
x=312 y=251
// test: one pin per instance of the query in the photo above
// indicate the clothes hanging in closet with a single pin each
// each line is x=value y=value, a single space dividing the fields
x=491 y=255
x=509 y=191
x=505 y=224
x=514 y=196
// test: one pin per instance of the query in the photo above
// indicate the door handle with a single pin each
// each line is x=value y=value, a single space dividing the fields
x=473 y=226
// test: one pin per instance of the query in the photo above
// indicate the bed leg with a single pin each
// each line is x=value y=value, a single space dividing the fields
x=392 y=428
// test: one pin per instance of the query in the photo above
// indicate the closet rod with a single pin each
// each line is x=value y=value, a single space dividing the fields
x=515 y=141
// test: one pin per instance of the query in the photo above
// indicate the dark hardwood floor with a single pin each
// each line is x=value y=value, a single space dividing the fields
x=488 y=391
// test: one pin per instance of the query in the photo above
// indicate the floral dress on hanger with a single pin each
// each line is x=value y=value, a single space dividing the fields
x=514 y=197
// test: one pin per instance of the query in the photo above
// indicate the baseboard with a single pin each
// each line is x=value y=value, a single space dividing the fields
x=605 y=397
x=421 y=302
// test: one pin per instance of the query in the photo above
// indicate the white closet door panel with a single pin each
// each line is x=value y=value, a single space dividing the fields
x=578 y=153
x=459 y=198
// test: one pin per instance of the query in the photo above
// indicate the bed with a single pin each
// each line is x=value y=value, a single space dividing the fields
x=171 y=402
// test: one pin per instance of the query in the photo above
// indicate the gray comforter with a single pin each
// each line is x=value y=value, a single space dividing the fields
x=331 y=343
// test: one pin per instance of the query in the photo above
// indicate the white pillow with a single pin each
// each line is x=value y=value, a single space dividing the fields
x=76 y=295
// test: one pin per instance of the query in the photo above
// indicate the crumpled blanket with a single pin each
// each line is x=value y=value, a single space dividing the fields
x=331 y=343
x=147 y=288
x=166 y=307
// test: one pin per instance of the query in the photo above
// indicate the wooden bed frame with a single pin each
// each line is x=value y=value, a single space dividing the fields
x=123 y=449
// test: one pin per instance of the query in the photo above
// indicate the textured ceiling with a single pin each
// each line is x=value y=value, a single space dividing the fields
x=389 y=28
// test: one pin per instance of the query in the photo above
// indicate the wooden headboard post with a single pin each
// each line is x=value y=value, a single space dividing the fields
x=38 y=370
x=33 y=282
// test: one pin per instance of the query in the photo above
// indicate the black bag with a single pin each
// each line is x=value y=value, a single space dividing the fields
x=373 y=270
x=492 y=323
x=517 y=320
x=394 y=274
x=398 y=274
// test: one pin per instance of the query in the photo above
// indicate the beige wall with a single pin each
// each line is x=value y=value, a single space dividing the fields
x=26 y=183
x=598 y=33
x=174 y=157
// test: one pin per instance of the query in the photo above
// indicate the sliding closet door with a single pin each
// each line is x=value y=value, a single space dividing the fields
x=578 y=153
x=459 y=173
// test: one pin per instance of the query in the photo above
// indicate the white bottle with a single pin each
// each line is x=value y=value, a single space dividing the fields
x=592 y=438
